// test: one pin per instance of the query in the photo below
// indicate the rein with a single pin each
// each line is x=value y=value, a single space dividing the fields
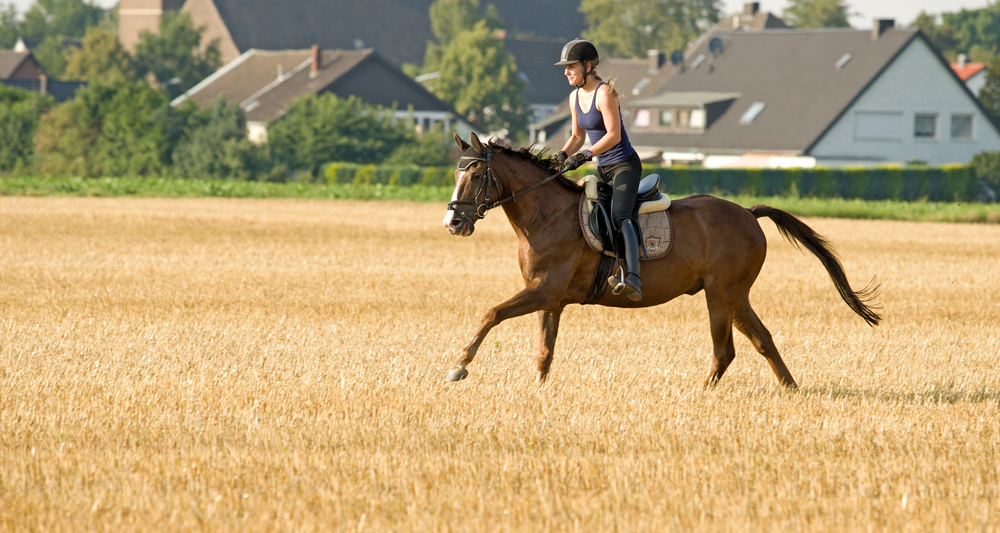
x=489 y=182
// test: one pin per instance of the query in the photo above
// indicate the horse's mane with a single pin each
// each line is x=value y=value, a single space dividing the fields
x=540 y=159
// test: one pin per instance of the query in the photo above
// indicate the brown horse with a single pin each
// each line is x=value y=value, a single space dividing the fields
x=718 y=247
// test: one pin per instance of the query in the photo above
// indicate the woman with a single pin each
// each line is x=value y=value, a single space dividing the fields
x=596 y=114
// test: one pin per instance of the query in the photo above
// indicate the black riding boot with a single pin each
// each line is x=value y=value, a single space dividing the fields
x=632 y=286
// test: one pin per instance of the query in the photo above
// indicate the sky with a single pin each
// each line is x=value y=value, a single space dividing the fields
x=904 y=11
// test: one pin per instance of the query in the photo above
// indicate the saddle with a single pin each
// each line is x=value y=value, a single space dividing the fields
x=651 y=212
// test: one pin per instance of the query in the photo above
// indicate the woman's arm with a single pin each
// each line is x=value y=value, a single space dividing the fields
x=577 y=134
x=607 y=104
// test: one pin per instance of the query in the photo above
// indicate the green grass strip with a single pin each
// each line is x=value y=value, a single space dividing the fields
x=177 y=188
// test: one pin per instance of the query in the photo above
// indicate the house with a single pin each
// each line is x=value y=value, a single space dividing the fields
x=637 y=78
x=398 y=29
x=973 y=74
x=19 y=65
x=265 y=82
x=830 y=97
x=18 y=68
x=751 y=19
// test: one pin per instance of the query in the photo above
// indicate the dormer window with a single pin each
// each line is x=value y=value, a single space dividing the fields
x=697 y=119
x=667 y=117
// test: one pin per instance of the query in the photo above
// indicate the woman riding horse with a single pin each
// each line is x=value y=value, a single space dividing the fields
x=596 y=113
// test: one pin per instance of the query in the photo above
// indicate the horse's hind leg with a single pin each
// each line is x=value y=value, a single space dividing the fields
x=747 y=322
x=549 y=322
x=721 y=318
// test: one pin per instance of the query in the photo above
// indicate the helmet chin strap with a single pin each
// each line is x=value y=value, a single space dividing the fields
x=586 y=72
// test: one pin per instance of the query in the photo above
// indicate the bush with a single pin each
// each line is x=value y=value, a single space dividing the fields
x=217 y=147
x=20 y=112
x=324 y=128
x=959 y=183
x=987 y=168
x=109 y=129
x=364 y=175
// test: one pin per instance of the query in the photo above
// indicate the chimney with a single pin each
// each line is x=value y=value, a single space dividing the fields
x=962 y=60
x=656 y=60
x=43 y=84
x=751 y=8
x=281 y=71
x=880 y=26
x=317 y=60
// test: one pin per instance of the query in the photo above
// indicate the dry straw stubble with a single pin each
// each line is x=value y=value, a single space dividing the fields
x=278 y=365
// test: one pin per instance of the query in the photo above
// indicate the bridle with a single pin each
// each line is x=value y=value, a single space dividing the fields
x=489 y=181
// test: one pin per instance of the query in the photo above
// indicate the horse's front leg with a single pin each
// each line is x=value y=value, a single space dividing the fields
x=549 y=322
x=526 y=301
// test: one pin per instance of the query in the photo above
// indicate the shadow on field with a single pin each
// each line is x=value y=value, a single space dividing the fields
x=938 y=394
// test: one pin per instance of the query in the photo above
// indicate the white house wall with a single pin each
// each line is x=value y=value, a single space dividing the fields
x=915 y=83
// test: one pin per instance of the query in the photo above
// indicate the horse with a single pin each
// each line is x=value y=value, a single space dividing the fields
x=719 y=247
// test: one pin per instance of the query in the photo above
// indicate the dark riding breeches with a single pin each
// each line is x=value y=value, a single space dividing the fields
x=624 y=178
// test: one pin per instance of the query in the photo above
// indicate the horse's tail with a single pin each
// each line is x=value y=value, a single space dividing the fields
x=796 y=232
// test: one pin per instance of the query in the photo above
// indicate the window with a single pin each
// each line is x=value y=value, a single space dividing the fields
x=697 y=119
x=667 y=117
x=925 y=126
x=752 y=112
x=961 y=126
x=642 y=118
x=878 y=125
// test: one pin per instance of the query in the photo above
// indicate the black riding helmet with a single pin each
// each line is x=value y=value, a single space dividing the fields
x=579 y=50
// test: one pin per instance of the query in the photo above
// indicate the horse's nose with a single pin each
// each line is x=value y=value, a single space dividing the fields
x=455 y=223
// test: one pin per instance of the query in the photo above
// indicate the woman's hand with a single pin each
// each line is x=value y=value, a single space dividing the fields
x=576 y=160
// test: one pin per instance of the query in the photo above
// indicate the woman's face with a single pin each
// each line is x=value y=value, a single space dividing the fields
x=574 y=73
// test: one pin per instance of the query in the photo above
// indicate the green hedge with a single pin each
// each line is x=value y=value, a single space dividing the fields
x=937 y=184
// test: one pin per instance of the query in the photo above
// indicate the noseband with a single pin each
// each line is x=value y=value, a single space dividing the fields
x=489 y=181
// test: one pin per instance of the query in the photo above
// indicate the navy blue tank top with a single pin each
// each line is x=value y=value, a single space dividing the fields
x=593 y=122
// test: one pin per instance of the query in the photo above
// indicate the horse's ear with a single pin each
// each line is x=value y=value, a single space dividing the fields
x=461 y=144
x=476 y=143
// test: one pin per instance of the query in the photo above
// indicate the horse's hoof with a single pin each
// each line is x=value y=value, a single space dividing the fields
x=457 y=375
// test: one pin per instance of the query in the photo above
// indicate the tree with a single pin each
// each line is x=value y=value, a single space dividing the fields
x=20 y=112
x=429 y=150
x=109 y=129
x=629 y=28
x=320 y=129
x=56 y=23
x=68 y=19
x=174 y=57
x=10 y=27
x=217 y=146
x=990 y=93
x=102 y=57
x=817 y=14
x=479 y=79
x=449 y=18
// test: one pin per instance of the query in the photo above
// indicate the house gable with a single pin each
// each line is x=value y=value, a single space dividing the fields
x=19 y=66
x=908 y=112
x=205 y=14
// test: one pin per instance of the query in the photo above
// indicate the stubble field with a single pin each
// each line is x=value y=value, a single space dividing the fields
x=278 y=365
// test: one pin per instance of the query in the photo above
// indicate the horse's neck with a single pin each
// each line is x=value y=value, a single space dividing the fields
x=544 y=209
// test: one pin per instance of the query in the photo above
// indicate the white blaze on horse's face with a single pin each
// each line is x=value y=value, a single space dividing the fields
x=450 y=215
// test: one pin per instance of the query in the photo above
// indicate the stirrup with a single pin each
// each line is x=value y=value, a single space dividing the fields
x=616 y=282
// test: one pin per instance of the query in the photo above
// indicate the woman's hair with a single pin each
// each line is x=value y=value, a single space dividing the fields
x=610 y=82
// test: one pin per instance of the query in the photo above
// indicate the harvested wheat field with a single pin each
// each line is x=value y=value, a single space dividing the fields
x=232 y=365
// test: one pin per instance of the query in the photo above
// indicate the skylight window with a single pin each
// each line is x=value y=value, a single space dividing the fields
x=843 y=61
x=752 y=112
x=640 y=86
x=697 y=61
